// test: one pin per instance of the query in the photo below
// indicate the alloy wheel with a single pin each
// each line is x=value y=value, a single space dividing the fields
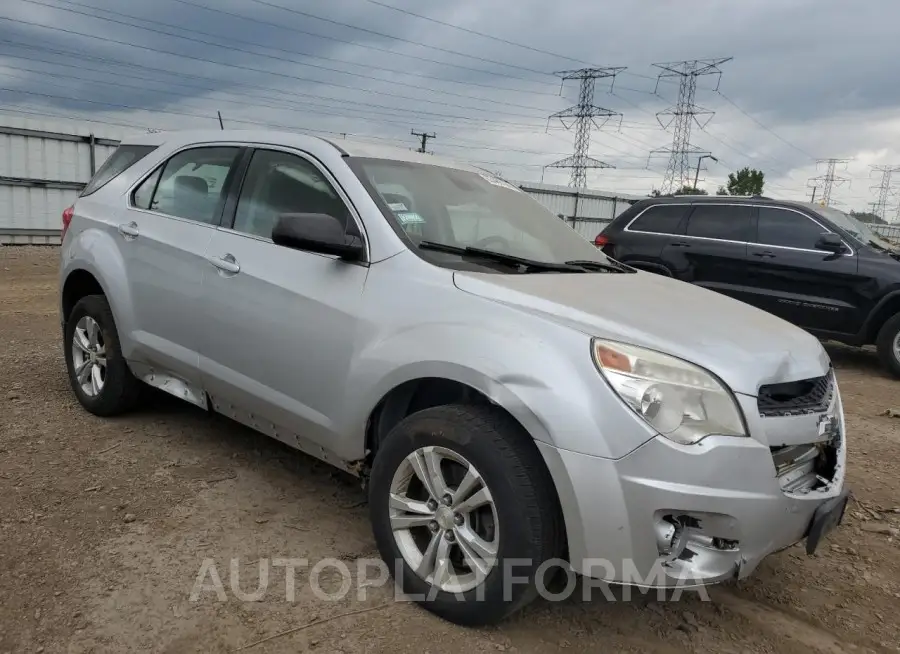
x=89 y=356
x=444 y=519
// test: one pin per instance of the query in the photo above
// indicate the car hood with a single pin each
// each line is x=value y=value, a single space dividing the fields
x=744 y=346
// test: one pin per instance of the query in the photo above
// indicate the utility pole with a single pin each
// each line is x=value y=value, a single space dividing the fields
x=829 y=180
x=699 y=159
x=884 y=189
x=221 y=126
x=582 y=116
x=424 y=136
x=683 y=115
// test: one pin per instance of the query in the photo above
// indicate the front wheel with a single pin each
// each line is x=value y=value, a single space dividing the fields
x=464 y=512
x=888 y=344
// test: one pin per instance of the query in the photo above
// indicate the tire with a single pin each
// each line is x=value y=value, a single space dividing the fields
x=118 y=390
x=522 y=521
x=889 y=346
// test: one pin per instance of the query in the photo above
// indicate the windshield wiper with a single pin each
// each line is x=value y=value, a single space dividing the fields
x=499 y=257
x=610 y=266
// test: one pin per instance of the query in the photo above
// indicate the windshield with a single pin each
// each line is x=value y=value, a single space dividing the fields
x=437 y=205
x=857 y=229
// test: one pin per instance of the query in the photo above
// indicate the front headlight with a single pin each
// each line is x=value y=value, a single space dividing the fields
x=683 y=402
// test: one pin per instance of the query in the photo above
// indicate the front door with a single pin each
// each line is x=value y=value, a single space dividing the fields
x=712 y=250
x=789 y=277
x=283 y=322
x=170 y=221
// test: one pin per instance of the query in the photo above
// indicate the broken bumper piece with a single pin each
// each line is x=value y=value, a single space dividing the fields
x=686 y=515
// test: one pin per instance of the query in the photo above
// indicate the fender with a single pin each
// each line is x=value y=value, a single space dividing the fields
x=551 y=379
x=862 y=335
x=99 y=255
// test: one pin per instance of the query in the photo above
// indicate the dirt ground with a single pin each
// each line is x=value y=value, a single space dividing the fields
x=104 y=526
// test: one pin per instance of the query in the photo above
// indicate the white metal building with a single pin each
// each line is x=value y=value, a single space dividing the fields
x=43 y=165
x=586 y=210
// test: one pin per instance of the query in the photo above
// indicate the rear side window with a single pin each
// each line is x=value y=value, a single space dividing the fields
x=190 y=185
x=722 y=222
x=660 y=219
x=787 y=229
x=118 y=162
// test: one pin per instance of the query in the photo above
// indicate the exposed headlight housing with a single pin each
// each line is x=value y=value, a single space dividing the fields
x=683 y=402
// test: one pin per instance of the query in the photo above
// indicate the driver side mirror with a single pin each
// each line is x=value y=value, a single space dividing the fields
x=830 y=243
x=316 y=232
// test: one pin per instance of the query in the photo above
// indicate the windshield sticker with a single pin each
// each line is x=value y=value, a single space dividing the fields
x=496 y=181
x=409 y=218
x=397 y=206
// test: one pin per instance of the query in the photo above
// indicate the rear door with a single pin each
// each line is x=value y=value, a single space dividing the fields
x=642 y=240
x=789 y=277
x=712 y=251
x=171 y=219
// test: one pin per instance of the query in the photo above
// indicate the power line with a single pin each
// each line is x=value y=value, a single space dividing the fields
x=684 y=114
x=583 y=116
x=828 y=181
x=231 y=47
x=477 y=33
x=366 y=30
x=754 y=119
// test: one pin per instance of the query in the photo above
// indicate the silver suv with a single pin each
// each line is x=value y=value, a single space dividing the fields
x=510 y=396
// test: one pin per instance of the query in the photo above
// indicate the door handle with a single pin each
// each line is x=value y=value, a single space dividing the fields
x=226 y=263
x=765 y=255
x=129 y=230
x=681 y=244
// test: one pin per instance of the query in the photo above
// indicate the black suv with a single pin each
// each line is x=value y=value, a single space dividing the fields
x=814 y=266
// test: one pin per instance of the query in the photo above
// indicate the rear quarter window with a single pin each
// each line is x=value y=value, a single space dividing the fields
x=660 y=219
x=118 y=162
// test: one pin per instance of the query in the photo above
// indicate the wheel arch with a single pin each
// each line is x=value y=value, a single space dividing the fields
x=888 y=307
x=420 y=393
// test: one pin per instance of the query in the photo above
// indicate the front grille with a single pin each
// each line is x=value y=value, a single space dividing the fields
x=796 y=397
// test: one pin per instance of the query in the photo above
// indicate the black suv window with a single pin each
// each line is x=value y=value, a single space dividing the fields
x=787 y=229
x=723 y=222
x=660 y=219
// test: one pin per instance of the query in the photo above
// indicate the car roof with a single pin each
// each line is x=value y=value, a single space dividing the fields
x=346 y=147
x=728 y=199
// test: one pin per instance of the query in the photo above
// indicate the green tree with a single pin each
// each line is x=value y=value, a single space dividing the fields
x=690 y=190
x=746 y=181
x=684 y=190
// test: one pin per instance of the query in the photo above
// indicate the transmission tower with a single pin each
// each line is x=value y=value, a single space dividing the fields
x=829 y=180
x=683 y=115
x=884 y=189
x=582 y=116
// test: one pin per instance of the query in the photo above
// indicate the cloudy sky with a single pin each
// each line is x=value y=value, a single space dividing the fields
x=809 y=79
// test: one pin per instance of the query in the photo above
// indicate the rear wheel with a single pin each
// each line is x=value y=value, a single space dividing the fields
x=97 y=370
x=888 y=344
x=464 y=512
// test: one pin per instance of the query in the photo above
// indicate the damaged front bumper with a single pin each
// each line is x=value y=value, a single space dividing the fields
x=681 y=515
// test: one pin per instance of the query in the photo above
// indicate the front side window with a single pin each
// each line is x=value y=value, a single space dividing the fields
x=660 y=219
x=118 y=162
x=787 y=229
x=278 y=183
x=721 y=222
x=435 y=205
x=190 y=185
